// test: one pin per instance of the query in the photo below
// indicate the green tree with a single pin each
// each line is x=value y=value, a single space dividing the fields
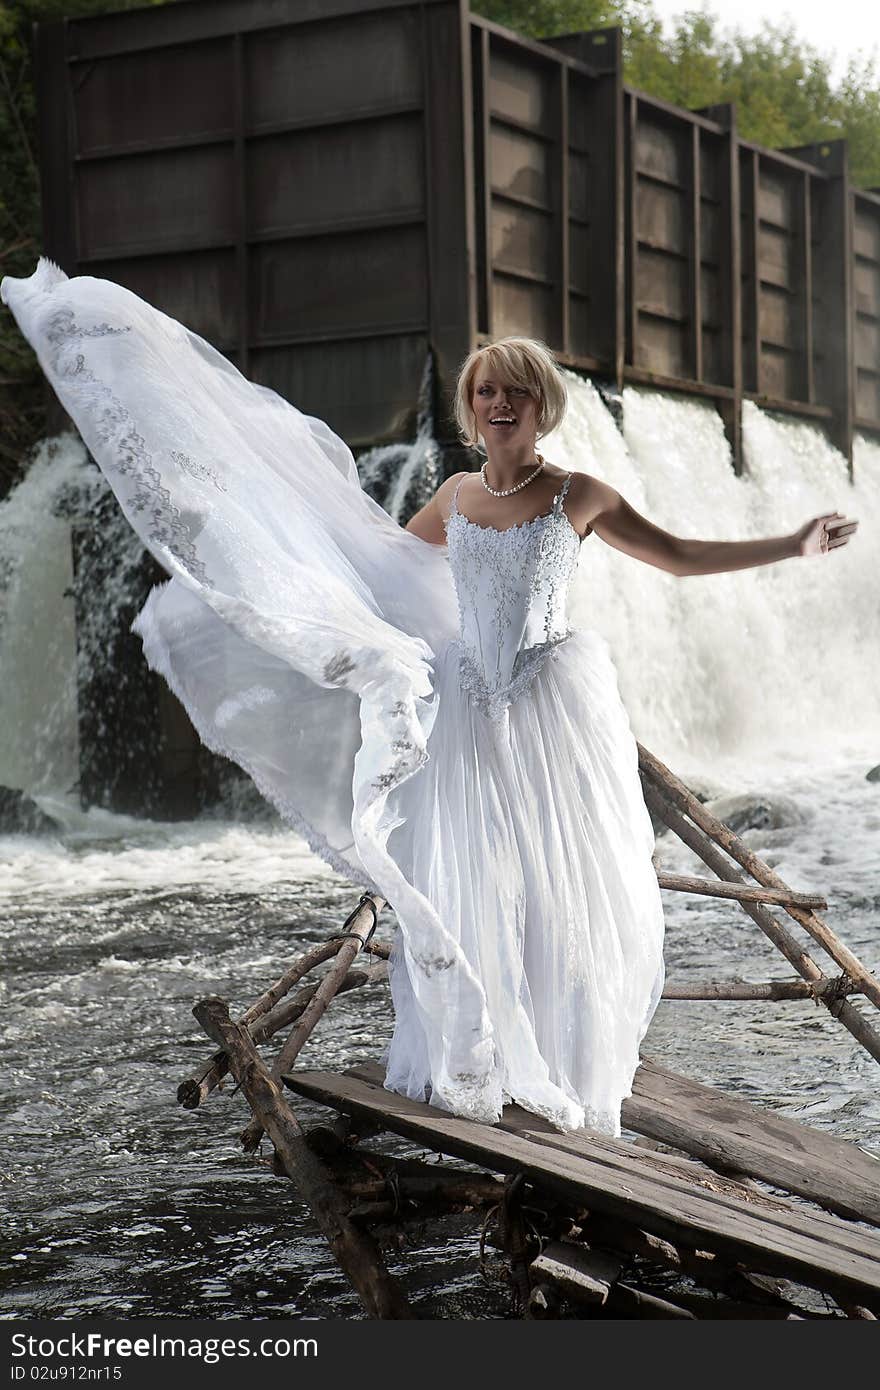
x=784 y=89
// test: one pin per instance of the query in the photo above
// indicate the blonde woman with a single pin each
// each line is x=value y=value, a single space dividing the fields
x=412 y=701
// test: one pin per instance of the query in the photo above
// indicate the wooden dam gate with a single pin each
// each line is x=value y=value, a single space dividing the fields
x=333 y=191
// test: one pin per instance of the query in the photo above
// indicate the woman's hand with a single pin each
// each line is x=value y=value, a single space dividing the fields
x=824 y=533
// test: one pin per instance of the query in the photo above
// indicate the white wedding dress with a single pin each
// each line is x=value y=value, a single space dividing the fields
x=423 y=715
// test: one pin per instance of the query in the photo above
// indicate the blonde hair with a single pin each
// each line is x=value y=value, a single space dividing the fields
x=524 y=362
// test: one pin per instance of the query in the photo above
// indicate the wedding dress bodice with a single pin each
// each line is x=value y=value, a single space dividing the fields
x=512 y=589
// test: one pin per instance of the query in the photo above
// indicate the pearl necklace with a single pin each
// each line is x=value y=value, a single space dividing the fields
x=506 y=491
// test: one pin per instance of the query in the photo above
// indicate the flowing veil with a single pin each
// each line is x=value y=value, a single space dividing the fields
x=300 y=621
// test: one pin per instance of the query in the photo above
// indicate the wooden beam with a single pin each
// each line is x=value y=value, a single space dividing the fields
x=807 y=287
x=782 y=939
x=755 y=257
x=696 y=285
x=56 y=152
x=450 y=193
x=483 y=157
x=742 y=892
x=136 y=31
x=632 y=244
x=729 y=841
x=731 y=1134
x=834 y=272
x=746 y=990
x=730 y=279
x=563 y=202
x=239 y=200
x=581 y=1273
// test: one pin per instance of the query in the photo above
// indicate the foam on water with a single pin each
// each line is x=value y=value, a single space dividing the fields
x=118 y=853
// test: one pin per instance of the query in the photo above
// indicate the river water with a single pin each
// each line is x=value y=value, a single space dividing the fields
x=116 y=1202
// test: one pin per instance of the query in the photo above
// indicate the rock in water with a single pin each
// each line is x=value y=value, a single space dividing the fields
x=20 y=815
x=750 y=811
x=873 y=775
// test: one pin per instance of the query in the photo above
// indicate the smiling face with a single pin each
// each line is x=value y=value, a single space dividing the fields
x=509 y=394
x=503 y=411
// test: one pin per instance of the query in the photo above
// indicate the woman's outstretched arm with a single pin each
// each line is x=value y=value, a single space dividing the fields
x=596 y=504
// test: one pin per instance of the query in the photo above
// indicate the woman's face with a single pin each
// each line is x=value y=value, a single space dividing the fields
x=503 y=412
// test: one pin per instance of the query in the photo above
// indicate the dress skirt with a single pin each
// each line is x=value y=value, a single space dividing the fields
x=531 y=835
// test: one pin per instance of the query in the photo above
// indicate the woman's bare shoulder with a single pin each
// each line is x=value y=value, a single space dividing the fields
x=586 y=497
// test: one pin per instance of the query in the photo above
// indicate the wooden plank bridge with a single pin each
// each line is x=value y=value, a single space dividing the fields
x=675 y=1198
x=757 y=1215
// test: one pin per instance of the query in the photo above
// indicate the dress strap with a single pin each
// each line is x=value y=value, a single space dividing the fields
x=560 y=496
x=454 y=507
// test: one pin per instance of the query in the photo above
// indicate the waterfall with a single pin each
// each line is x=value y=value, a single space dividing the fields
x=39 y=748
x=403 y=477
x=781 y=661
x=47 y=651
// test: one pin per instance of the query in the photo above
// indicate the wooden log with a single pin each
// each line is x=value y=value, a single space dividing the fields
x=730 y=1134
x=370 y=1175
x=327 y=989
x=192 y=1092
x=289 y=1010
x=317 y=955
x=633 y=1302
x=579 y=1272
x=422 y=1182
x=769 y=989
x=196 y=1088
x=743 y=892
x=821 y=933
x=513 y=1241
x=704 y=1267
x=356 y=1254
x=708 y=851
x=704 y=1305
x=361 y=925
x=855 y=1310
x=371 y=1213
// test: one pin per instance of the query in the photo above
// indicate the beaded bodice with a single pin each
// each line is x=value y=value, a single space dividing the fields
x=512 y=589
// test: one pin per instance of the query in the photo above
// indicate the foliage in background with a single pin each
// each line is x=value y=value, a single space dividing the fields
x=784 y=92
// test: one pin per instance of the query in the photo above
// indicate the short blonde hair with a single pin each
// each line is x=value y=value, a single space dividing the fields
x=524 y=362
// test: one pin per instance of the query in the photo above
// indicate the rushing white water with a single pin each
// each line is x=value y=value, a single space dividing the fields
x=38 y=742
x=776 y=663
x=397 y=475
x=46 y=655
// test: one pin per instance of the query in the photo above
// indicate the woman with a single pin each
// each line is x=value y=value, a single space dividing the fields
x=475 y=768
x=529 y=825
